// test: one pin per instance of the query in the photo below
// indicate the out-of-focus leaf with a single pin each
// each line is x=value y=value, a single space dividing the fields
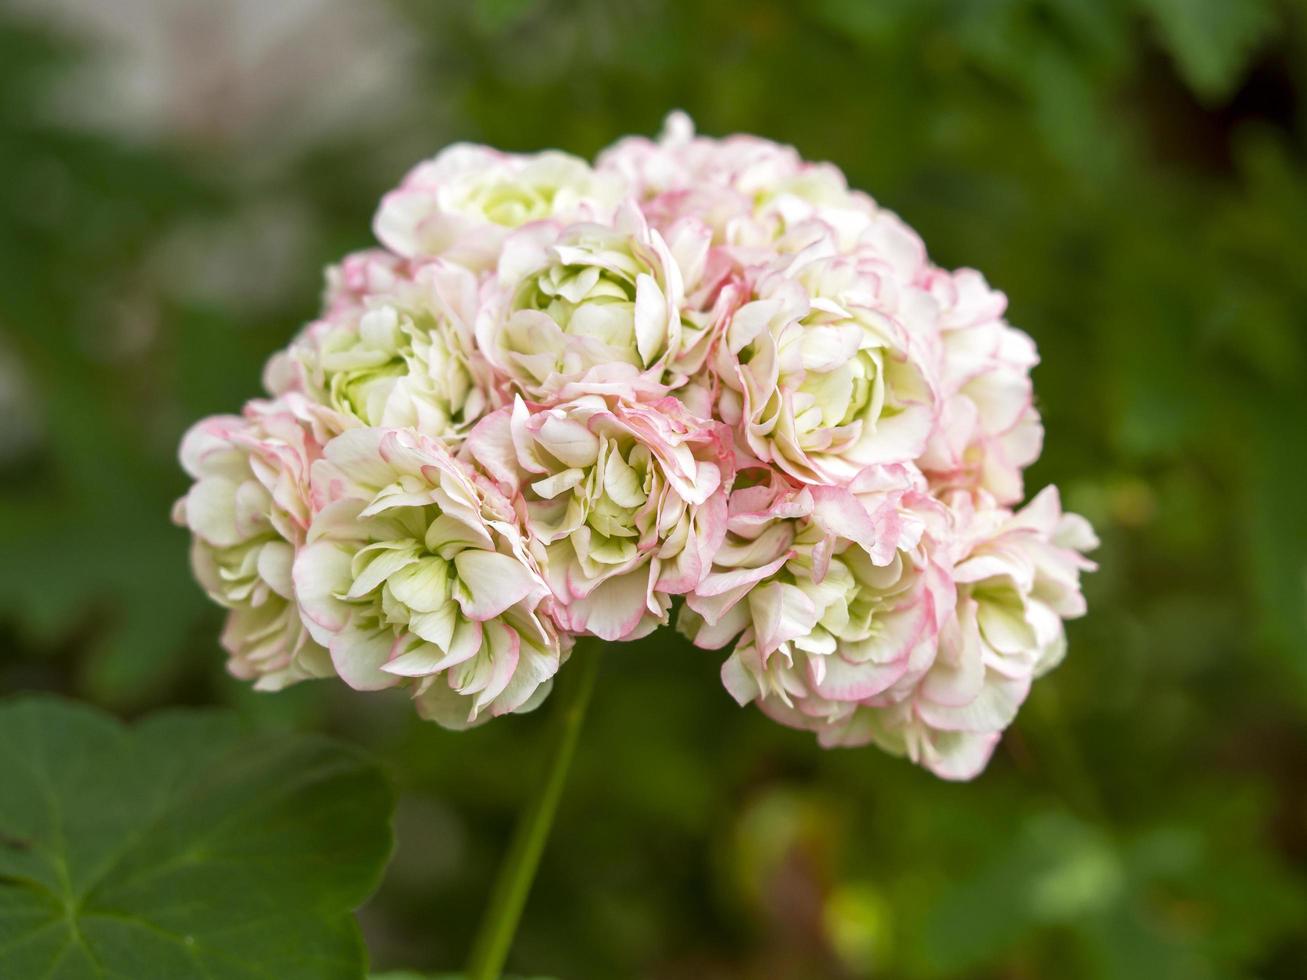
x=1055 y=870
x=180 y=849
x=498 y=15
x=1211 y=40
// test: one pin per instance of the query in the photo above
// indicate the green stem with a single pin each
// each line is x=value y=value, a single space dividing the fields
x=499 y=922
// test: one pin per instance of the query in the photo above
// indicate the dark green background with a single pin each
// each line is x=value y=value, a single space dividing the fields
x=1130 y=172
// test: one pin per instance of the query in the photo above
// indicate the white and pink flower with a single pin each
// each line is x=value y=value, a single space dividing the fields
x=834 y=593
x=394 y=348
x=561 y=396
x=624 y=502
x=248 y=513
x=830 y=367
x=464 y=202
x=590 y=302
x=989 y=430
x=750 y=191
x=1018 y=580
x=416 y=570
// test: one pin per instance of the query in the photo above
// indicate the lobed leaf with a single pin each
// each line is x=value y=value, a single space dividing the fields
x=181 y=848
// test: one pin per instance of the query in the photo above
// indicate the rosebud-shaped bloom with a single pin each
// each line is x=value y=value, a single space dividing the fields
x=587 y=302
x=680 y=159
x=831 y=591
x=989 y=430
x=248 y=513
x=830 y=368
x=1018 y=578
x=416 y=568
x=625 y=502
x=715 y=181
x=750 y=191
x=395 y=348
x=465 y=201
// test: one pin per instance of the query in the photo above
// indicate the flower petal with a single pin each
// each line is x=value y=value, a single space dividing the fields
x=492 y=583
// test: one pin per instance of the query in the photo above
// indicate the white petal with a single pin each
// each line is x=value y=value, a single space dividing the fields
x=359 y=657
x=737 y=680
x=321 y=572
x=211 y=511
x=614 y=610
x=781 y=612
x=571 y=443
x=492 y=583
x=650 y=318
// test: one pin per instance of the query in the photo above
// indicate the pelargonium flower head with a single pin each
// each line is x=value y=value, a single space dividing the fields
x=989 y=429
x=624 y=502
x=829 y=368
x=248 y=513
x=562 y=395
x=465 y=201
x=394 y=348
x=1018 y=579
x=832 y=593
x=589 y=301
x=415 y=568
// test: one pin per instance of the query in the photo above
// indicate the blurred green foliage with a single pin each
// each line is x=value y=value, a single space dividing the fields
x=1130 y=172
x=179 y=849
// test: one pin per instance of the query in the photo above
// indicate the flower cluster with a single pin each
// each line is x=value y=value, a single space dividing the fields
x=700 y=378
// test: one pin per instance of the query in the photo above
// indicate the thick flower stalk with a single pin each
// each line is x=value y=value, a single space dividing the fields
x=624 y=503
x=562 y=400
x=416 y=569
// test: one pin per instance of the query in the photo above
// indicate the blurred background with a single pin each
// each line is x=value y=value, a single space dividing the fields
x=173 y=177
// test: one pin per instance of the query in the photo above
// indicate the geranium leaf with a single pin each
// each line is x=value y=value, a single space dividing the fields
x=1212 y=40
x=181 y=848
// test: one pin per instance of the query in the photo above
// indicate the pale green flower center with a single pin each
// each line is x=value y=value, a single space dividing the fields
x=609 y=499
x=403 y=572
x=358 y=369
x=511 y=204
x=238 y=568
x=237 y=571
x=854 y=391
x=854 y=596
x=1002 y=613
x=587 y=301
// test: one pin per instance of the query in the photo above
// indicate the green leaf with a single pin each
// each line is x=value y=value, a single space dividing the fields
x=1056 y=870
x=1211 y=40
x=496 y=16
x=181 y=848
